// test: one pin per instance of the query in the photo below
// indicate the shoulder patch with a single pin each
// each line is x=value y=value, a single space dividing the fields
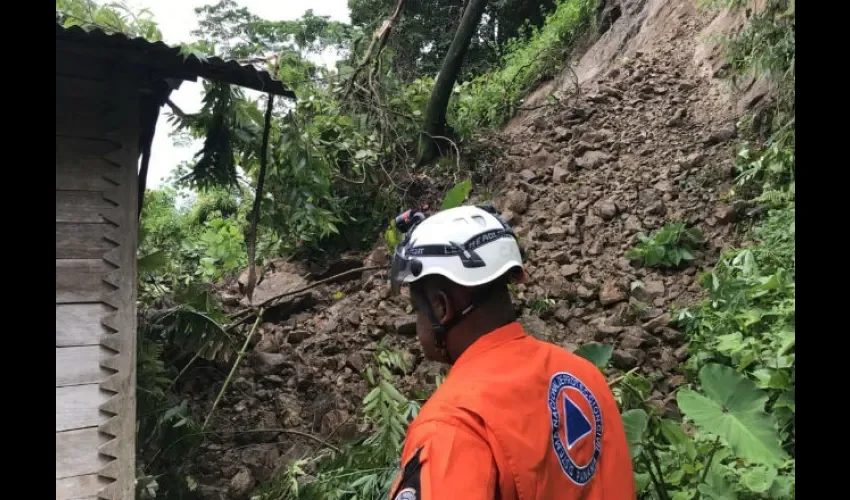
x=576 y=427
x=406 y=494
x=409 y=484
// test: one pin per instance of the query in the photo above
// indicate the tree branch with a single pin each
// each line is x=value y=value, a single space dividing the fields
x=233 y=369
x=379 y=39
x=176 y=109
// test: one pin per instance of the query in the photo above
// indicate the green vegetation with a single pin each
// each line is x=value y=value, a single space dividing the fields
x=338 y=166
x=737 y=439
x=489 y=100
x=670 y=246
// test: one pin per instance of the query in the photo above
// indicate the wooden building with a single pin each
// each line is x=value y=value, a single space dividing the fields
x=109 y=90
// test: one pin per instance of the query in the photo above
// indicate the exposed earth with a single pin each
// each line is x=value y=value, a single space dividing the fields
x=648 y=140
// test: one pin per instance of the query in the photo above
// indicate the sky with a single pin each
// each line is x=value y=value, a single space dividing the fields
x=176 y=20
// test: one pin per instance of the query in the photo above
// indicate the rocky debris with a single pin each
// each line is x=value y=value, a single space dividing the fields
x=633 y=224
x=569 y=270
x=356 y=362
x=671 y=336
x=722 y=134
x=592 y=159
x=626 y=359
x=535 y=327
x=651 y=144
x=516 y=201
x=563 y=314
x=559 y=175
x=406 y=326
x=724 y=214
x=611 y=293
x=607 y=210
x=378 y=256
x=282 y=280
x=563 y=209
x=693 y=160
x=556 y=233
x=242 y=484
x=658 y=322
x=528 y=175
x=604 y=331
x=635 y=337
x=270 y=362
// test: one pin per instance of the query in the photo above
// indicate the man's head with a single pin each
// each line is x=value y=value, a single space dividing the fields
x=458 y=264
x=469 y=312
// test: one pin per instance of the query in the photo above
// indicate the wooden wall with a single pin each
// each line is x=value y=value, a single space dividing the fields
x=96 y=226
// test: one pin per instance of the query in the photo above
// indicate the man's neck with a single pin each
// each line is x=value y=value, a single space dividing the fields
x=474 y=327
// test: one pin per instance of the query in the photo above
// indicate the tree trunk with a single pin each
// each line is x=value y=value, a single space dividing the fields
x=258 y=197
x=435 y=113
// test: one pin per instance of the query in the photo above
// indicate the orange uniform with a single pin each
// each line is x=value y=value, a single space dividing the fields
x=517 y=418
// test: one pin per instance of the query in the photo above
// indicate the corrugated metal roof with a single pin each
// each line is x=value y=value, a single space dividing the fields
x=213 y=68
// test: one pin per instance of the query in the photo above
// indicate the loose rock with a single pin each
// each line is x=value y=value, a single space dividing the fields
x=611 y=293
x=592 y=159
x=242 y=484
x=516 y=201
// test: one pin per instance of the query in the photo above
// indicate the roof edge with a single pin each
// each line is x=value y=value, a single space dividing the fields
x=163 y=56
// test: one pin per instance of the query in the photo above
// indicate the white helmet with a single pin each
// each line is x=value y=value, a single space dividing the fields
x=468 y=245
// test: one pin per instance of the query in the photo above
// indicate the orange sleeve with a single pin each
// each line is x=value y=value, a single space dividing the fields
x=443 y=460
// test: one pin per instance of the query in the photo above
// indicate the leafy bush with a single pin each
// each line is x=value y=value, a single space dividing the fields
x=489 y=100
x=669 y=246
x=748 y=320
x=728 y=447
x=766 y=47
x=110 y=16
x=768 y=171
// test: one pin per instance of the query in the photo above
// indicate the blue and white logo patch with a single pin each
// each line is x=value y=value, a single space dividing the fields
x=406 y=494
x=576 y=427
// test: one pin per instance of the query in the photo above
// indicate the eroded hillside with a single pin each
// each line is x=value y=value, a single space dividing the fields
x=648 y=139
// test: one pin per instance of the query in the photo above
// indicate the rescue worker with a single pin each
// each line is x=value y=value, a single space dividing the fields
x=516 y=418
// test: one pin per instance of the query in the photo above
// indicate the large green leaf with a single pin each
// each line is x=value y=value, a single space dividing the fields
x=782 y=487
x=457 y=195
x=642 y=481
x=673 y=433
x=635 y=423
x=759 y=479
x=598 y=354
x=734 y=410
x=716 y=487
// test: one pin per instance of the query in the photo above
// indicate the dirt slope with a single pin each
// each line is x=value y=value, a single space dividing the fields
x=648 y=141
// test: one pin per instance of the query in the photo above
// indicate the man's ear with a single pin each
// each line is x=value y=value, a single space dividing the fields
x=442 y=306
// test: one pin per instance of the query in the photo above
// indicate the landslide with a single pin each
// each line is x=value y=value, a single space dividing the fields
x=646 y=140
